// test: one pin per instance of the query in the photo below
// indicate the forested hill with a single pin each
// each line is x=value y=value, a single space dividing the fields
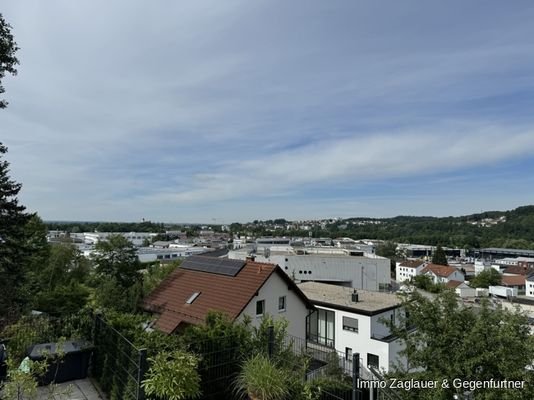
x=513 y=229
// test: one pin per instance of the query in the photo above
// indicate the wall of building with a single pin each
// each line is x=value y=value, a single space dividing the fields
x=353 y=271
x=295 y=312
x=362 y=342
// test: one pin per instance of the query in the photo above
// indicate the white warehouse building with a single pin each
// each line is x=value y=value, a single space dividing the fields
x=326 y=264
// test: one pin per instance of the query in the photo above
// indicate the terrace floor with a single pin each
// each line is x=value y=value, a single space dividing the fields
x=81 y=389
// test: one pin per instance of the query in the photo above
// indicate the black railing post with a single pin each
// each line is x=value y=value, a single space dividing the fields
x=270 y=344
x=143 y=368
x=355 y=376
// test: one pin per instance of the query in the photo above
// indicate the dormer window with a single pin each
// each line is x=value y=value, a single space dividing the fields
x=192 y=298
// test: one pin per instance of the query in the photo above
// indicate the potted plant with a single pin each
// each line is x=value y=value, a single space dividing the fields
x=261 y=379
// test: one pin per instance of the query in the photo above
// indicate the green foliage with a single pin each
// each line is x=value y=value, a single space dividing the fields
x=173 y=376
x=486 y=278
x=63 y=300
x=439 y=257
x=8 y=60
x=22 y=385
x=333 y=386
x=425 y=282
x=262 y=379
x=109 y=294
x=116 y=258
x=472 y=344
x=30 y=330
x=155 y=274
x=13 y=241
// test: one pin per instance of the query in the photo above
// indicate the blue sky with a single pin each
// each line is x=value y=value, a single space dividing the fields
x=239 y=110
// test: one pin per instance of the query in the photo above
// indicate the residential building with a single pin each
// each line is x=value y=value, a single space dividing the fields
x=443 y=273
x=461 y=288
x=529 y=285
x=514 y=281
x=409 y=269
x=353 y=321
x=234 y=287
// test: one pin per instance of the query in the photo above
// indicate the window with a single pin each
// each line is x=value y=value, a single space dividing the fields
x=192 y=298
x=320 y=327
x=282 y=303
x=372 y=360
x=260 y=308
x=348 y=354
x=350 y=324
x=392 y=318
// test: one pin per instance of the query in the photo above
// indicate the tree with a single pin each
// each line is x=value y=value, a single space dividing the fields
x=487 y=278
x=439 y=257
x=117 y=258
x=452 y=341
x=8 y=48
x=13 y=253
x=118 y=282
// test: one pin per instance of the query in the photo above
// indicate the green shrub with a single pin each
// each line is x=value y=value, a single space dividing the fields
x=262 y=379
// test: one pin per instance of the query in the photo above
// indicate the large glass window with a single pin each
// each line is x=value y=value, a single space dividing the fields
x=321 y=327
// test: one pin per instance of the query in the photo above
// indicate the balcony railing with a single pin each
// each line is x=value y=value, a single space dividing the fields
x=321 y=340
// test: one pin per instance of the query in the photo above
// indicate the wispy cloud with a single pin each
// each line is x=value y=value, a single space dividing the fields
x=179 y=110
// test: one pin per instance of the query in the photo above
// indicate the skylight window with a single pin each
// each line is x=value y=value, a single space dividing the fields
x=192 y=298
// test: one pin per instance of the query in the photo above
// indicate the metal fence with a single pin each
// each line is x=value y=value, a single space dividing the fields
x=118 y=365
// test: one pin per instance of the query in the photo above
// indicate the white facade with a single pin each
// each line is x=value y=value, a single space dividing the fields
x=294 y=312
x=464 y=290
x=150 y=254
x=529 y=286
x=454 y=276
x=405 y=273
x=370 y=339
x=136 y=238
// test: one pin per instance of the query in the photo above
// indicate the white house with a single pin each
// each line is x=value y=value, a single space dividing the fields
x=529 y=286
x=354 y=322
x=443 y=273
x=236 y=288
x=409 y=269
x=462 y=289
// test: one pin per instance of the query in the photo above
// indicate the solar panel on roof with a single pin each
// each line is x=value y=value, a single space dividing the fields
x=220 y=266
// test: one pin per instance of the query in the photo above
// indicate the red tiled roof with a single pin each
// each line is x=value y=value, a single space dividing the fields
x=453 y=284
x=439 y=270
x=513 y=280
x=229 y=294
x=519 y=270
x=412 y=263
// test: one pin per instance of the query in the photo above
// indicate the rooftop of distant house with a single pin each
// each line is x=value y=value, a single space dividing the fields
x=439 y=270
x=513 y=280
x=412 y=263
x=340 y=297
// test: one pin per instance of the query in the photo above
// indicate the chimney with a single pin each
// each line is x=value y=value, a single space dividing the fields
x=354 y=296
x=251 y=258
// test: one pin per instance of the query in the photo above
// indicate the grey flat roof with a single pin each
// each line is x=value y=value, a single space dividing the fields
x=340 y=297
x=507 y=251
